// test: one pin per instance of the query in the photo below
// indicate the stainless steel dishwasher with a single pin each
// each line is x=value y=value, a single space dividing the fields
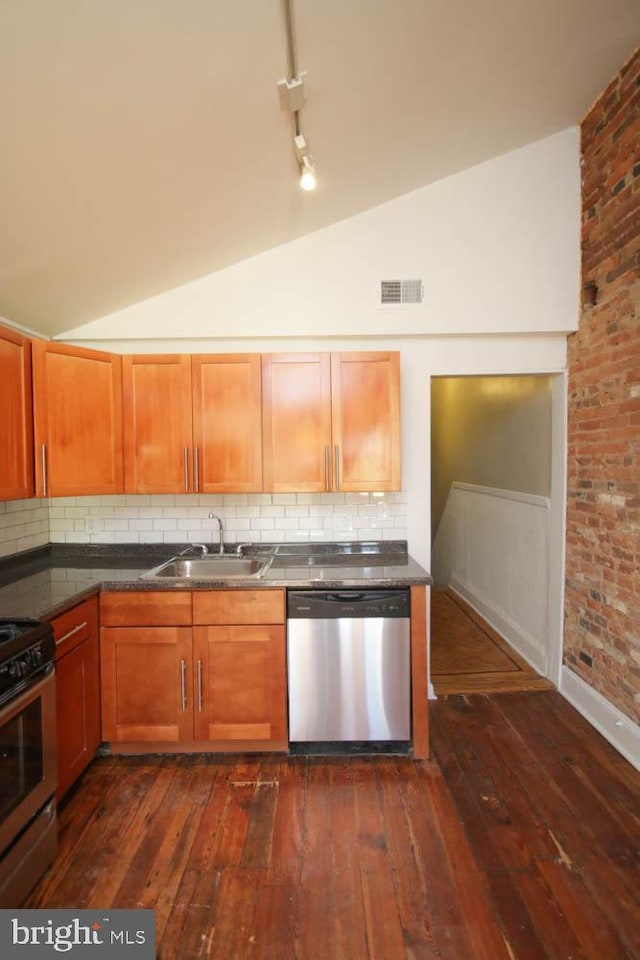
x=348 y=664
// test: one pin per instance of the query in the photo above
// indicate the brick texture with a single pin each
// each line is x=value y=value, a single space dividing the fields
x=602 y=598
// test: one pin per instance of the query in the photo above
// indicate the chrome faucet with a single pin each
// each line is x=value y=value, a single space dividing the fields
x=202 y=547
x=214 y=516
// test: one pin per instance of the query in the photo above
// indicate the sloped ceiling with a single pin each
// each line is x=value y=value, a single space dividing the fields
x=143 y=143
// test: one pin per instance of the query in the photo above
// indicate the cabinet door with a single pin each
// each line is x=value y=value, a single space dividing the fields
x=365 y=394
x=77 y=691
x=16 y=423
x=227 y=423
x=146 y=684
x=77 y=711
x=78 y=421
x=296 y=422
x=239 y=678
x=158 y=433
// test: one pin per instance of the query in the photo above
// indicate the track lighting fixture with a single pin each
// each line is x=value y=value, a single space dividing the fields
x=292 y=93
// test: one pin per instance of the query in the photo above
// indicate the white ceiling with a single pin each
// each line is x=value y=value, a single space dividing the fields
x=143 y=144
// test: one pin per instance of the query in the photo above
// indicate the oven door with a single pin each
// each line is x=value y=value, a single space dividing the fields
x=28 y=773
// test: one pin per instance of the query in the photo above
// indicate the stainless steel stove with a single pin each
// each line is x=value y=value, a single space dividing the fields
x=28 y=826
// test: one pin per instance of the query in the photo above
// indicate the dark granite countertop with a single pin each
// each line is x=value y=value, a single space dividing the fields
x=46 y=581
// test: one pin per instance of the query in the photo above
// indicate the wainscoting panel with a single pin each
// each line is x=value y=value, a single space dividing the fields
x=492 y=549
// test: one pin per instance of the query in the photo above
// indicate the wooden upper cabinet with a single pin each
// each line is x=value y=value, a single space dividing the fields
x=365 y=396
x=227 y=423
x=77 y=421
x=331 y=422
x=158 y=435
x=16 y=423
x=296 y=423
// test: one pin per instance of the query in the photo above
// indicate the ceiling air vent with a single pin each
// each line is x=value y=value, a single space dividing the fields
x=394 y=293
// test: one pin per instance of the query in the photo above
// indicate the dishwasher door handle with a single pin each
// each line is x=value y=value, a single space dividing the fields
x=345 y=597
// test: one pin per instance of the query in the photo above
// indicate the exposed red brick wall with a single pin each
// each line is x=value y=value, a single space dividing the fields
x=602 y=605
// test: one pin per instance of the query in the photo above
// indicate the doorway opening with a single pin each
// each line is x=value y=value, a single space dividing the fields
x=497 y=505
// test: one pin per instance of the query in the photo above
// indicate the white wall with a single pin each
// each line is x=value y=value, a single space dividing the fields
x=492 y=547
x=496 y=245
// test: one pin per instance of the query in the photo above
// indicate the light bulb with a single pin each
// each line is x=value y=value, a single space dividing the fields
x=307 y=174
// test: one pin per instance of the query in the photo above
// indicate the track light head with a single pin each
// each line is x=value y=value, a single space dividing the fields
x=307 y=174
x=307 y=168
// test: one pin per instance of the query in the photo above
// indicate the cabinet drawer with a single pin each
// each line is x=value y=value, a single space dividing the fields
x=147 y=608
x=75 y=626
x=238 y=606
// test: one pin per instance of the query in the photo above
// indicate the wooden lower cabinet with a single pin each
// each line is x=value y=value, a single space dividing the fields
x=146 y=689
x=221 y=680
x=240 y=683
x=77 y=691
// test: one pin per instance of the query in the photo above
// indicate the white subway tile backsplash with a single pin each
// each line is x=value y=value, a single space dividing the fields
x=262 y=523
x=24 y=524
x=173 y=536
x=139 y=524
x=238 y=523
x=275 y=511
x=119 y=523
x=297 y=511
x=149 y=536
x=248 y=511
x=129 y=537
x=320 y=510
x=102 y=537
x=139 y=500
x=235 y=500
x=165 y=523
x=181 y=518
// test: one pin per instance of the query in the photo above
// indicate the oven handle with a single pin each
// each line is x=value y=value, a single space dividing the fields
x=25 y=693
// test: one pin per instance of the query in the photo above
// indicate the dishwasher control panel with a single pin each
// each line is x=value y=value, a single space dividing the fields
x=323 y=604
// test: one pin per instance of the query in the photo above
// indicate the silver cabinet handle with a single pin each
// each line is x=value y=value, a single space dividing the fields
x=71 y=632
x=336 y=465
x=183 y=685
x=186 y=469
x=196 y=470
x=200 y=685
x=43 y=454
x=327 y=468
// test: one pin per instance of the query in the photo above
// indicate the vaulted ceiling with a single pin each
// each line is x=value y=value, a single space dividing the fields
x=143 y=142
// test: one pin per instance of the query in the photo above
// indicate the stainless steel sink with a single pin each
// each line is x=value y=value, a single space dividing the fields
x=213 y=567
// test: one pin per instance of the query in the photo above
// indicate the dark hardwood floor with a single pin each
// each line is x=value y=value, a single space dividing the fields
x=518 y=839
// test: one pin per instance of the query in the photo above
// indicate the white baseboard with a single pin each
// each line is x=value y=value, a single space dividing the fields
x=615 y=726
x=503 y=625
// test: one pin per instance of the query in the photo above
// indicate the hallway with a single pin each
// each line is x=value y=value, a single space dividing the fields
x=468 y=656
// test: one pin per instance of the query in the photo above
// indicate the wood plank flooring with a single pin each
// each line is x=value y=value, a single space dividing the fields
x=469 y=656
x=518 y=840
